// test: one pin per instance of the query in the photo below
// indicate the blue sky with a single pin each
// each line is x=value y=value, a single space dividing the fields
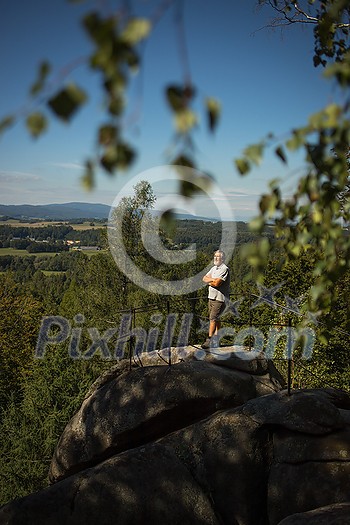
x=264 y=79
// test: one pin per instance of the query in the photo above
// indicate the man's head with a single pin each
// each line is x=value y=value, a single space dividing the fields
x=219 y=257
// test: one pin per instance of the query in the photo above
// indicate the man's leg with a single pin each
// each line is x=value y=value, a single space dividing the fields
x=214 y=327
x=215 y=310
x=217 y=326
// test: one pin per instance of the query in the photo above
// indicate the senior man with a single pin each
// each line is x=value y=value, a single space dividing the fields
x=218 y=280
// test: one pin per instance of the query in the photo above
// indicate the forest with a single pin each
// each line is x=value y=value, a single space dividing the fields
x=39 y=395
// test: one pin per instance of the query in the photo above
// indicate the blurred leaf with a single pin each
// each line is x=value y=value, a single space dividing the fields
x=294 y=249
x=168 y=223
x=126 y=156
x=317 y=216
x=6 y=122
x=88 y=178
x=185 y=120
x=268 y=204
x=188 y=188
x=257 y=224
x=116 y=105
x=178 y=97
x=136 y=30
x=107 y=135
x=191 y=182
x=109 y=159
x=327 y=118
x=274 y=183
x=182 y=160
x=243 y=166
x=296 y=141
x=36 y=124
x=340 y=70
x=101 y=31
x=254 y=152
x=175 y=97
x=213 y=111
x=67 y=101
x=280 y=153
x=115 y=85
x=44 y=70
x=332 y=114
x=132 y=59
x=120 y=157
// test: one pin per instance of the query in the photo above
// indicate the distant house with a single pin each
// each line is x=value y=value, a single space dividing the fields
x=70 y=242
x=90 y=248
x=86 y=248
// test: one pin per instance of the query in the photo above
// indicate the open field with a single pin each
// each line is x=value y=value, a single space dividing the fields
x=86 y=226
x=41 y=224
x=24 y=253
x=91 y=253
x=52 y=272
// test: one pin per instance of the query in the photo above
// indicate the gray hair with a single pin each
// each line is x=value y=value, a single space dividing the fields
x=221 y=253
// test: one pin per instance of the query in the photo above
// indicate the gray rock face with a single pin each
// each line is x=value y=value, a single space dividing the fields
x=329 y=515
x=148 y=485
x=311 y=412
x=134 y=407
x=192 y=444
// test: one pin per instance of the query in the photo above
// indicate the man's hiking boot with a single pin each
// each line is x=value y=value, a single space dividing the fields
x=206 y=343
x=210 y=342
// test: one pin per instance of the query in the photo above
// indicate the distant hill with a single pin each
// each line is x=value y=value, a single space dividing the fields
x=68 y=211
x=56 y=212
x=75 y=210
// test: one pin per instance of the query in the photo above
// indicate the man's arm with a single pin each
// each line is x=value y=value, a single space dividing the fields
x=216 y=282
x=212 y=282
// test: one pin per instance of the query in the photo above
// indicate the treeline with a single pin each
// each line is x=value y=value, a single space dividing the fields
x=40 y=233
x=207 y=234
x=59 y=263
x=26 y=238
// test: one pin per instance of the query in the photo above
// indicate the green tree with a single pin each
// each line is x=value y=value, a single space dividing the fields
x=30 y=427
x=20 y=316
x=125 y=231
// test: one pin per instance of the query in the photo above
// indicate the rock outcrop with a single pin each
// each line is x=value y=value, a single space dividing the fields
x=127 y=409
x=329 y=515
x=198 y=442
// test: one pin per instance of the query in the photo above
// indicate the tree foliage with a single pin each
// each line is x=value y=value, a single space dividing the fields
x=330 y=21
x=20 y=316
x=315 y=215
x=30 y=427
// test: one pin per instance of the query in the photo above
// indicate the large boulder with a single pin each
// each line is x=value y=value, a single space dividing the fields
x=313 y=413
x=189 y=444
x=338 y=514
x=127 y=408
x=145 y=485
